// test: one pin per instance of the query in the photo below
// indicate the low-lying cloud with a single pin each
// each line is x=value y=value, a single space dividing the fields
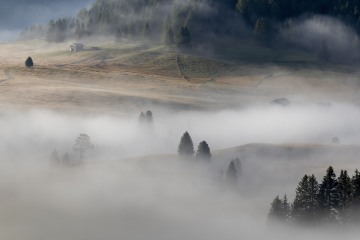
x=162 y=197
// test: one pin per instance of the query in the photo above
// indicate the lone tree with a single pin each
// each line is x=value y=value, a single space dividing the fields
x=203 y=151
x=233 y=171
x=183 y=39
x=82 y=144
x=186 y=146
x=29 y=62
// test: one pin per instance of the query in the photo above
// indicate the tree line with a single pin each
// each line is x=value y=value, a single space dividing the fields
x=336 y=200
x=190 y=22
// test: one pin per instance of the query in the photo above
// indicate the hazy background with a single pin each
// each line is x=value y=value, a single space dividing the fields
x=17 y=15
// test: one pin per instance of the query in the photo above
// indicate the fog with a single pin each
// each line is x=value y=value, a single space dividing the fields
x=17 y=15
x=116 y=193
x=310 y=33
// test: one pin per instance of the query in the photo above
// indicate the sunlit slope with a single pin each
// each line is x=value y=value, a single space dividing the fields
x=125 y=77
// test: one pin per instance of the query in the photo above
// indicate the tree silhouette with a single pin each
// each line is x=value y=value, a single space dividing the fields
x=183 y=39
x=186 y=146
x=233 y=171
x=279 y=211
x=203 y=151
x=82 y=144
x=328 y=196
x=29 y=62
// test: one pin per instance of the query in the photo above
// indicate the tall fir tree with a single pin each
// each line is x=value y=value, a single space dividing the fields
x=279 y=211
x=328 y=197
x=344 y=189
x=203 y=152
x=186 y=146
x=355 y=182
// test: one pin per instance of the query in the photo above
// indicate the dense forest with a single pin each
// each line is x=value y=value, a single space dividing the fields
x=203 y=22
x=335 y=200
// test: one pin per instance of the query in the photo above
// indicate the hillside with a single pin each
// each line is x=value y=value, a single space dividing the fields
x=118 y=76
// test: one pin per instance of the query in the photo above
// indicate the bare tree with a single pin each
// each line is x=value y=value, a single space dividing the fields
x=82 y=144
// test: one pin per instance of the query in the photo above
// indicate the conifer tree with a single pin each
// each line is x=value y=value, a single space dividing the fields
x=233 y=172
x=355 y=182
x=300 y=204
x=203 y=151
x=313 y=191
x=344 y=189
x=328 y=196
x=186 y=146
x=305 y=204
x=29 y=62
x=183 y=39
x=279 y=211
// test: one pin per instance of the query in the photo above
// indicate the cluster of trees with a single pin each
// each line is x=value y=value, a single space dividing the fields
x=82 y=144
x=203 y=153
x=146 y=117
x=186 y=148
x=181 y=23
x=334 y=200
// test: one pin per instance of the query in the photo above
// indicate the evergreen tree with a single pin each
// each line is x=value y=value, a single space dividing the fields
x=186 y=146
x=203 y=151
x=355 y=182
x=328 y=196
x=300 y=205
x=305 y=206
x=279 y=210
x=29 y=62
x=183 y=39
x=313 y=205
x=233 y=171
x=344 y=189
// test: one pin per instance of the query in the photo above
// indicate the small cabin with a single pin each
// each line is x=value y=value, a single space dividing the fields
x=76 y=47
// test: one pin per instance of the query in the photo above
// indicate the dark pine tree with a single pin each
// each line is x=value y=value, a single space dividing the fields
x=183 y=39
x=328 y=196
x=344 y=189
x=203 y=151
x=233 y=172
x=304 y=208
x=279 y=211
x=355 y=182
x=29 y=62
x=300 y=205
x=186 y=146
